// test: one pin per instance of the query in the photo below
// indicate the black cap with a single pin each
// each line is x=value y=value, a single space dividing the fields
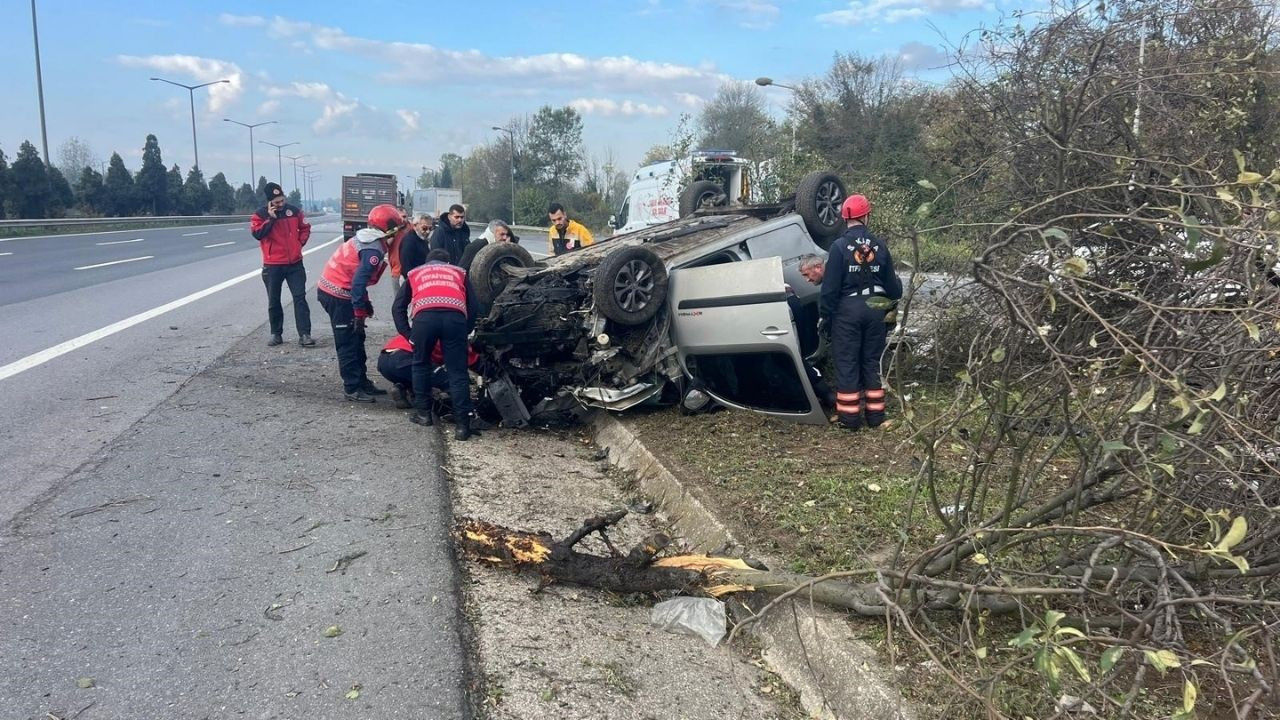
x=273 y=191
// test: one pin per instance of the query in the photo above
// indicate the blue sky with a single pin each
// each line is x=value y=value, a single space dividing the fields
x=379 y=86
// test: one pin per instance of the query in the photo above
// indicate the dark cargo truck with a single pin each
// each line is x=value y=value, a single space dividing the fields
x=360 y=193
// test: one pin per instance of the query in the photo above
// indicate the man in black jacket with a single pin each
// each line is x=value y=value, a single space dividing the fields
x=452 y=234
x=413 y=248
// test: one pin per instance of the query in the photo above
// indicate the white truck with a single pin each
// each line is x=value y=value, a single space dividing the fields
x=435 y=200
x=655 y=195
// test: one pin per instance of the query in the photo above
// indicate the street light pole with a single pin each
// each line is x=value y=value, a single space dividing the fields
x=191 y=95
x=44 y=134
x=305 y=194
x=279 y=157
x=253 y=171
x=766 y=82
x=295 y=159
x=511 y=133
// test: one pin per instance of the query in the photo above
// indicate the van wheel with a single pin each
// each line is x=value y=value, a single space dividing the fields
x=818 y=198
x=700 y=194
x=630 y=285
x=489 y=269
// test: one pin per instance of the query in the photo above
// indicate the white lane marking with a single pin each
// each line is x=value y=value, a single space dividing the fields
x=44 y=356
x=232 y=242
x=236 y=229
x=120 y=242
x=114 y=262
x=8 y=253
x=206 y=232
x=100 y=232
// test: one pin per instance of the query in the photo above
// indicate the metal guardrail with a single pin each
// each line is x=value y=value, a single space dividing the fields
x=47 y=222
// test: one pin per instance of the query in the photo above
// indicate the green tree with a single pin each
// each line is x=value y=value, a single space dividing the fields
x=658 y=153
x=195 y=194
x=261 y=190
x=61 y=198
x=451 y=170
x=246 y=201
x=222 y=199
x=117 y=189
x=736 y=120
x=173 y=189
x=5 y=193
x=89 y=191
x=151 y=184
x=446 y=177
x=295 y=197
x=30 y=183
x=553 y=153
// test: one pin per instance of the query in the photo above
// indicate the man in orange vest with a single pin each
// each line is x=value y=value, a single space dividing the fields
x=439 y=298
x=342 y=291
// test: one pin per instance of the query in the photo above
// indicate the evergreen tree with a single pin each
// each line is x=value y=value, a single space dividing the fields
x=222 y=199
x=446 y=177
x=29 y=183
x=195 y=194
x=295 y=197
x=173 y=188
x=246 y=201
x=89 y=191
x=4 y=184
x=261 y=190
x=151 y=186
x=117 y=189
x=61 y=198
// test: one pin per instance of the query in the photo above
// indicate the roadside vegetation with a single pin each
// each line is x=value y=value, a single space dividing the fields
x=1077 y=512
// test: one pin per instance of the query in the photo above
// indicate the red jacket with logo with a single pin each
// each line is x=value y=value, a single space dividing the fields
x=282 y=236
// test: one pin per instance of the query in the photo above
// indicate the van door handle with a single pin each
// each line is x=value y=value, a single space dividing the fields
x=773 y=332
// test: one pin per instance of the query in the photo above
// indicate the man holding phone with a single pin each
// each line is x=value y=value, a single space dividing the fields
x=281 y=230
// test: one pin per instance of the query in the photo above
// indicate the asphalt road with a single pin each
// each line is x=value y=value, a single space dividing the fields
x=161 y=472
x=35 y=267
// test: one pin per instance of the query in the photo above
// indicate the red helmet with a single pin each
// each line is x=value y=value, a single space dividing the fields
x=854 y=207
x=386 y=218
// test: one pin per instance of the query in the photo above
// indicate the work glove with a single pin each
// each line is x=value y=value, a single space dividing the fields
x=361 y=315
x=824 y=327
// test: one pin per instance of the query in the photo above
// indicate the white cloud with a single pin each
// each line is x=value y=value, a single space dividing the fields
x=424 y=65
x=862 y=12
x=609 y=108
x=690 y=100
x=919 y=56
x=241 y=20
x=197 y=69
x=270 y=107
x=411 y=120
x=337 y=111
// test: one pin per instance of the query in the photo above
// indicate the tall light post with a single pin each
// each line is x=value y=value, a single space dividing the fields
x=253 y=171
x=191 y=95
x=766 y=82
x=511 y=134
x=44 y=134
x=279 y=157
x=295 y=159
x=309 y=177
x=305 y=193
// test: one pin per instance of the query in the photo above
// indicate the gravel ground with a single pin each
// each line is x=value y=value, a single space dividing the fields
x=571 y=652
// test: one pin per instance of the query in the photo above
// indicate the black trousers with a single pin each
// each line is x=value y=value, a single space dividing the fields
x=347 y=340
x=858 y=339
x=449 y=327
x=397 y=367
x=274 y=277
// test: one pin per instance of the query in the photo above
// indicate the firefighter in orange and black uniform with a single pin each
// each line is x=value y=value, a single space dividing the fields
x=342 y=291
x=859 y=268
x=440 y=300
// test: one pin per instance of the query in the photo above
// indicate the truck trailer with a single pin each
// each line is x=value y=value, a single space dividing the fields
x=360 y=194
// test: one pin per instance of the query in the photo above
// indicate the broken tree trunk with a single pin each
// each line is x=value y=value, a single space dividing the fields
x=641 y=570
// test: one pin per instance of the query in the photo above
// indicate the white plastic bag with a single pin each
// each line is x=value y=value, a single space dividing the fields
x=703 y=617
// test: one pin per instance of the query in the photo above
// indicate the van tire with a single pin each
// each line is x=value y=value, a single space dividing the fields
x=818 y=198
x=630 y=285
x=702 y=193
x=488 y=276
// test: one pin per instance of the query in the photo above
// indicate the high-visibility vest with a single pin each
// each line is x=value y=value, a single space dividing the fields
x=398 y=342
x=437 y=286
x=340 y=270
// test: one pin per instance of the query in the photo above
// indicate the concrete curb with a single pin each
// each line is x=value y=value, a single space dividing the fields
x=811 y=648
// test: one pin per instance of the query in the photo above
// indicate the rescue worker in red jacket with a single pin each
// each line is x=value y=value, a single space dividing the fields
x=343 y=293
x=395 y=363
x=440 y=299
x=281 y=229
x=859 y=269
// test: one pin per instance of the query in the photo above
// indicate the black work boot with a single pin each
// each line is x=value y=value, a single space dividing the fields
x=401 y=397
x=305 y=340
x=421 y=418
x=372 y=389
x=359 y=396
x=463 y=429
x=275 y=340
